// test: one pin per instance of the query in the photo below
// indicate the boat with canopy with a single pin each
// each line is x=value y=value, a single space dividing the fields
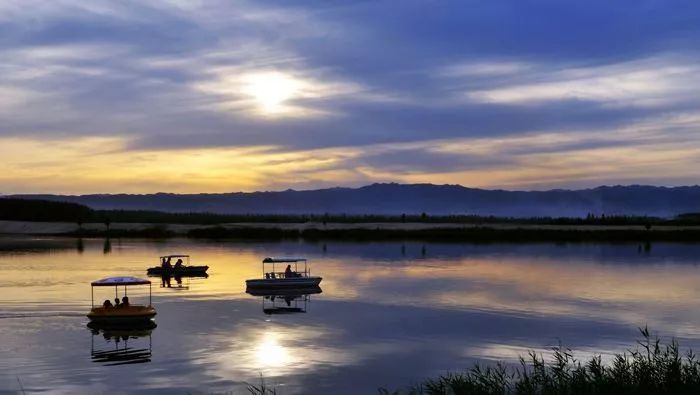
x=290 y=278
x=123 y=313
x=183 y=270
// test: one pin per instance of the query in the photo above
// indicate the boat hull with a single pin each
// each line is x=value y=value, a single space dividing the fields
x=185 y=271
x=122 y=315
x=286 y=291
x=279 y=283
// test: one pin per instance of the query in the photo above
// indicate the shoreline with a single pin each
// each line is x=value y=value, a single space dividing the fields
x=449 y=232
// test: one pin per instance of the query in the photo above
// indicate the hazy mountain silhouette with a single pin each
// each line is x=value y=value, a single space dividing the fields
x=412 y=199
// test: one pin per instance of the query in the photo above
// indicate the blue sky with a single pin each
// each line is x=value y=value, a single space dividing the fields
x=211 y=96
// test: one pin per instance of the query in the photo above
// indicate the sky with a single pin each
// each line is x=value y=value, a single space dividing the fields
x=219 y=96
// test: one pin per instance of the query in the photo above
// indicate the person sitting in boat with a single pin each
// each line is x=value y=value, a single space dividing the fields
x=107 y=304
x=178 y=264
x=288 y=272
x=125 y=301
x=116 y=302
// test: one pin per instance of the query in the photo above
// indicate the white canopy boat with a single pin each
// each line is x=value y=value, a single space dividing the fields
x=290 y=278
x=123 y=313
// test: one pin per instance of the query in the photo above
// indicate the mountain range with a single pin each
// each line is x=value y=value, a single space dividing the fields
x=397 y=199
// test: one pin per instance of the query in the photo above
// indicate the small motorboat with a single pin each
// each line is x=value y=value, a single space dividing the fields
x=126 y=314
x=184 y=270
x=290 y=279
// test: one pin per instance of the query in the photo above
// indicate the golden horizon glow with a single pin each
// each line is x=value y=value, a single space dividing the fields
x=109 y=165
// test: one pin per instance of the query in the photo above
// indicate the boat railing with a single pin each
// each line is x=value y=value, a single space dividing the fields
x=296 y=270
x=278 y=275
x=121 y=308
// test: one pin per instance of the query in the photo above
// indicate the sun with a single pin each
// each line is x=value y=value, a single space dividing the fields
x=272 y=90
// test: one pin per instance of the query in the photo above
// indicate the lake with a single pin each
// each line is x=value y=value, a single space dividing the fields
x=390 y=314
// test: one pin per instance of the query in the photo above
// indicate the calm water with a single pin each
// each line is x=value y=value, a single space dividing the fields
x=390 y=314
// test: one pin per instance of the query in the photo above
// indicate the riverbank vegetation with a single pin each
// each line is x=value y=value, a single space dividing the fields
x=651 y=368
x=480 y=234
x=151 y=224
x=12 y=209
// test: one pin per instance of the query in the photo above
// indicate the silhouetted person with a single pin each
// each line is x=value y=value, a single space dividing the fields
x=116 y=302
x=107 y=304
x=288 y=271
x=125 y=301
x=178 y=264
x=167 y=266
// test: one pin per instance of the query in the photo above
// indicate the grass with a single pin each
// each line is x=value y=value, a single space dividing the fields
x=262 y=388
x=152 y=232
x=480 y=234
x=652 y=368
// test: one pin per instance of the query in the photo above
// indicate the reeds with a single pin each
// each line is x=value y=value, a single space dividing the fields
x=652 y=368
x=262 y=388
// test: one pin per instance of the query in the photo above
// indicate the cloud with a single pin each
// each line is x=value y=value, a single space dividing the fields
x=341 y=77
x=649 y=82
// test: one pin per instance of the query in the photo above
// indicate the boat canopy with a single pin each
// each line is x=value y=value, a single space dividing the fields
x=174 y=256
x=283 y=259
x=114 y=281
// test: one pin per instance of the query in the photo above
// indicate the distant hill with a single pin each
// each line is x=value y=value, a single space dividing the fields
x=395 y=199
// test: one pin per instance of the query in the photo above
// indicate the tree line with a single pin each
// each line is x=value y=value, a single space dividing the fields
x=12 y=209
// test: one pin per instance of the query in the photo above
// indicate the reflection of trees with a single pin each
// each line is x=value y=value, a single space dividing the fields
x=79 y=245
x=107 y=248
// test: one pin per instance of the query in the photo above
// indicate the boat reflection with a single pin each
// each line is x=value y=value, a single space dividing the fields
x=123 y=337
x=166 y=280
x=286 y=301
